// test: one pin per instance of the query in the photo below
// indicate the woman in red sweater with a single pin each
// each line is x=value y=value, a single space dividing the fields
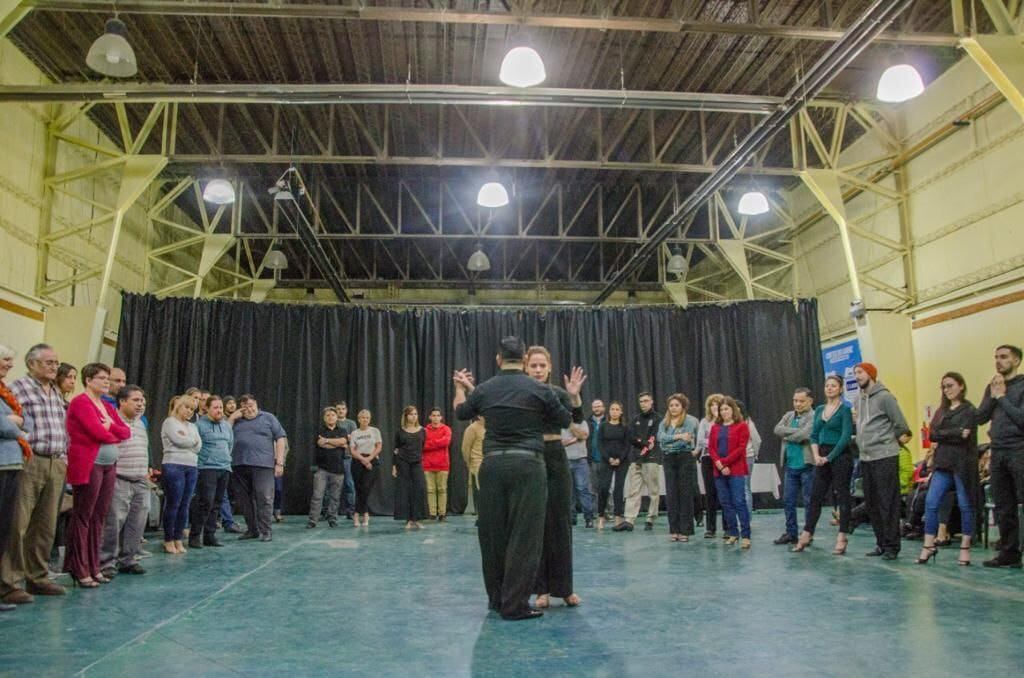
x=94 y=430
x=727 y=446
x=436 y=464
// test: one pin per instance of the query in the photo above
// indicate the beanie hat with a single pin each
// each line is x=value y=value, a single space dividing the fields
x=870 y=369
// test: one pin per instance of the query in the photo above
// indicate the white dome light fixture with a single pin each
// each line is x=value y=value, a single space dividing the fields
x=276 y=260
x=677 y=263
x=522 y=67
x=899 y=83
x=110 y=54
x=492 y=195
x=478 y=261
x=219 y=192
x=753 y=203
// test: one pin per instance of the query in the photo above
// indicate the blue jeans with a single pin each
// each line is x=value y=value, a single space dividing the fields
x=580 y=469
x=227 y=519
x=179 y=485
x=732 y=497
x=798 y=482
x=278 y=493
x=348 y=493
x=941 y=483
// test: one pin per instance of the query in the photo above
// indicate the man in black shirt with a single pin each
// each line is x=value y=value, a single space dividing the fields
x=513 y=480
x=645 y=467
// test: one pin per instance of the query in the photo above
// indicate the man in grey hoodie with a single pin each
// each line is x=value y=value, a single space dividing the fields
x=881 y=430
x=1003 y=405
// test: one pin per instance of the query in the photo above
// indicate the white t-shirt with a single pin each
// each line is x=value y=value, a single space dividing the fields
x=362 y=442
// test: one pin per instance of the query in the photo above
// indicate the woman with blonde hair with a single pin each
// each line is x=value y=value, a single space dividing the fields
x=707 y=469
x=179 y=472
x=554 y=574
x=365 y=445
x=407 y=469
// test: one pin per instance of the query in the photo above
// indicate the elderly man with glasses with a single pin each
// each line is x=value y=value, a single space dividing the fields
x=42 y=482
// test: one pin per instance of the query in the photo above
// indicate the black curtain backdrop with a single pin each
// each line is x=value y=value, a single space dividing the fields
x=297 y=359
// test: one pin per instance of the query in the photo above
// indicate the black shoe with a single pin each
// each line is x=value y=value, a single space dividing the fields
x=700 y=522
x=195 y=543
x=132 y=569
x=266 y=537
x=212 y=541
x=786 y=538
x=710 y=534
x=310 y=525
x=109 y=572
x=234 y=529
x=999 y=561
x=890 y=555
x=248 y=535
x=874 y=554
x=332 y=523
x=531 y=614
x=589 y=524
x=442 y=518
x=348 y=515
x=624 y=526
x=648 y=527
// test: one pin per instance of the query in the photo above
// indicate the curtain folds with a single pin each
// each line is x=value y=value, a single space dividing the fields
x=298 y=358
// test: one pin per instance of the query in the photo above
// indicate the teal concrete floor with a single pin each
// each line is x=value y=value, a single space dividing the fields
x=385 y=602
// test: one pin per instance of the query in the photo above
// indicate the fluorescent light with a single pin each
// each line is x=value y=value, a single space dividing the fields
x=478 y=261
x=753 y=203
x=219 y=192
x=522 y=67
x=110 y=54
x=492 y=194
x=899 y=83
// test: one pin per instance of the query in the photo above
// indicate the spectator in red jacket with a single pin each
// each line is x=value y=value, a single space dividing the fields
x=727 y=446
x=94 y=431
x=436 y=464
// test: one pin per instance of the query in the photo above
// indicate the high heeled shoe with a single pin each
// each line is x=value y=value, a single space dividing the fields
x=801 y=545
x=85 y=583
x=840 y=548
x=965 y=563
x=101 y=579
x=933 y=552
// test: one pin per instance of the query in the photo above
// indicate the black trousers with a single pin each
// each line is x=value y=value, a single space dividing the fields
x=616 y=493
x=832 y=478
x=8 y=500
x=554 y=573
x=513 y=492
x=254 y=490
x=210 y=488
x=711 y=505
x=410 y=490
x=680 y=481
x=364 y=479
x=1007 y=482
x=882 y=496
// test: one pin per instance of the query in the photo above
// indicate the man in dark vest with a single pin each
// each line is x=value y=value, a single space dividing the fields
x=513 y=480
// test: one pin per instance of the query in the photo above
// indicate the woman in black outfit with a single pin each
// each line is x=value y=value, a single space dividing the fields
x=954 y=435
x=554 y=574
x=615 y=457
x=410 y=483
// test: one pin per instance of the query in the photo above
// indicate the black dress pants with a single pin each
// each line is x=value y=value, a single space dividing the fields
x=680 y=480
x=711 y=505
x=364 y=479
x=8 y=500
x=554 y=574
x=254 y=490
x=210 y=488
x=410 y=490
x=832 y=478
x=513 y=492
x=1007 y=482
x=882 y=496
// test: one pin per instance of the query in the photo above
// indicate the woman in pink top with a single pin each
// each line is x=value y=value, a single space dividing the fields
x=94 y=430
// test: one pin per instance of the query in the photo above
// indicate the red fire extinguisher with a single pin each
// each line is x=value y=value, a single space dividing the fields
x=926 y=441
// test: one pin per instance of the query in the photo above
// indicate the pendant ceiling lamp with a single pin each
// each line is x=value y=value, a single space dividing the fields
x=478 y=261
x=110 y=54
x=219 y=192
x=522 y=67
x=753 y=203
x=899 y=83
x=676 y=263
x=492 y=195
x=276 y=260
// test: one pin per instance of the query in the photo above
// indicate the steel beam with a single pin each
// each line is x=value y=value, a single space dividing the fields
x=404 y=94
x=1001 y=57
x=442 y=15
x=11 y=14
x=824 y=184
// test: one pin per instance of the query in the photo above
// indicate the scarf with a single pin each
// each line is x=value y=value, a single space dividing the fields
x=13 y=403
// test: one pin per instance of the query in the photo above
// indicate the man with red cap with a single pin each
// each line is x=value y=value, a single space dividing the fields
x=881 y=430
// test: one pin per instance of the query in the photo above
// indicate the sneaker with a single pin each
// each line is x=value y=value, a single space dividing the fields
x=999 y=561
x=442 y=518
x=786 y=538
x=266 y=537
x=332 y=523
x=589 y=524
x=145 y=554
x=233 y=528
x=648 y=526
x=710 y=534
x=310 y=524
x=624 y=526
x=109 y=572
x=132 y=569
